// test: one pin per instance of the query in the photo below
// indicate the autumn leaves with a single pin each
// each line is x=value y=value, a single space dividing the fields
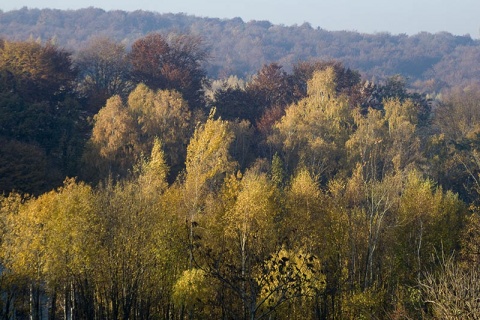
x=333 y=222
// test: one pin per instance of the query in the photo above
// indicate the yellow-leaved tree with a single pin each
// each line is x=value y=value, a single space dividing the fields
x=163 y=114
x=314 y=130
x=250 y=239
x=154 y=171
x=135 y=265
x=382 y=148
x=49 y=244
x=125 y=132
x=113 y=147
x=208 y=162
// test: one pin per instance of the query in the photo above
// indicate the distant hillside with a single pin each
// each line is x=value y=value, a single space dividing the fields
x=429 y=61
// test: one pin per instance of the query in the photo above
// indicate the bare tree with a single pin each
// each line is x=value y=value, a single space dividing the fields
x=452 y=292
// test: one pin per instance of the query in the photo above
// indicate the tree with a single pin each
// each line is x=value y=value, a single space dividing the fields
x=38 y=72
x=303 y=203
x=345 y=79
x=453 y=149
x=249 y=227
x=386 y=142
x=428 y=222
x=123 y=133
x=23 y=167
x=242 y=249
x=270 y=87
x=104 y=71
x=113 y=146
x=208 y=161
x=234 y=103
x=207 y=156
x=38 y=110
x=314 y=130
x=382 y=147
x=164 y=114
x=372 y=95
x=147 y=57
x=172 y=62
x=193 y=290
x=243 y=146
x=70 y=248
x=9 y=281
x=290 y=281
x=249 y=235
x=450 y=291
x=154 y=171
x=402 y=121
x=134 y=266
x=47 y=240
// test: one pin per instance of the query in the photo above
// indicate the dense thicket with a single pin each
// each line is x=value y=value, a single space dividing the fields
x=240 y=48
x=309 y=193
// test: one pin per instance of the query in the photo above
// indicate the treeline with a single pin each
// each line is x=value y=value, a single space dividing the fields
x=307 y=194
x=430 y=61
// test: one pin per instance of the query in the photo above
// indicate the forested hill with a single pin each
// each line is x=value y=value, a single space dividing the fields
x=429 y=61
x=310 y=193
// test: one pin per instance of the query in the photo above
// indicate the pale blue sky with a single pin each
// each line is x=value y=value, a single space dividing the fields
x=396 y=16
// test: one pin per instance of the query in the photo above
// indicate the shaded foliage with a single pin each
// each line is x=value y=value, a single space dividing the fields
x=173 y=62
x=241 y=48
x=38 y=110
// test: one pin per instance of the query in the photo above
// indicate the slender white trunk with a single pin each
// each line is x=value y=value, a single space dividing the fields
x=243 y=242
x=32 y=303
x=419 y=247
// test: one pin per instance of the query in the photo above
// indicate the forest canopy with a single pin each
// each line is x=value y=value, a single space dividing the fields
x=237 y=47
x=138 y=184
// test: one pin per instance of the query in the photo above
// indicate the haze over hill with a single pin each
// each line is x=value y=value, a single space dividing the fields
x=368 y=16
x=429 y=61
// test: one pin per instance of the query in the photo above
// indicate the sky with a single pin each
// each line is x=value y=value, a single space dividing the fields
x=458 y=17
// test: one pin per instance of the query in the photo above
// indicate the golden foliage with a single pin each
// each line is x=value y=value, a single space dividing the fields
x=207 y=156
x=114 y=135
x=314 y=130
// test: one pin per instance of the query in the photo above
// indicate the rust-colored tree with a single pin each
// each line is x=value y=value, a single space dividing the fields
x=171 y=62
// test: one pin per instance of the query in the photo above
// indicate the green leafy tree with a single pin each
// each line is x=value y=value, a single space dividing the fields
x=23 y=167
x=234 y=103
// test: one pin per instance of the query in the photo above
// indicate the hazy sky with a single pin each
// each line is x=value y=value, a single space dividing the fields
x=396 y=16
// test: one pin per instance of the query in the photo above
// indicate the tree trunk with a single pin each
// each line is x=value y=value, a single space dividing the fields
x=53 y=305
x=34 y=303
